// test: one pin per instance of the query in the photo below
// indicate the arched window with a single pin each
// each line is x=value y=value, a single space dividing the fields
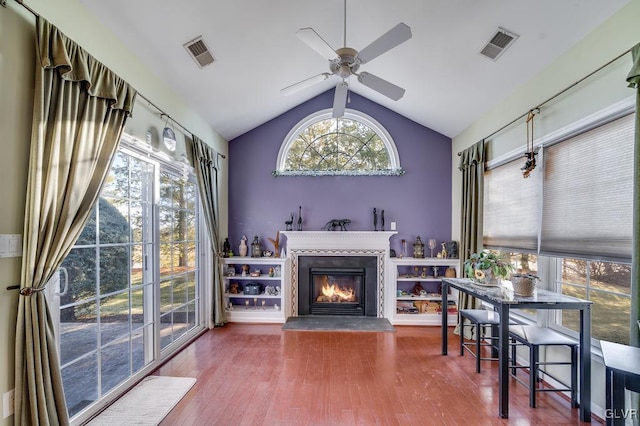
x=321 y=145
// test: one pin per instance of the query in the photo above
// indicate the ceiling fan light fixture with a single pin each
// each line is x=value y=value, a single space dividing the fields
x=346 y=61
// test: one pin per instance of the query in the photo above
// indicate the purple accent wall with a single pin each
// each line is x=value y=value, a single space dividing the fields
x=419 y=201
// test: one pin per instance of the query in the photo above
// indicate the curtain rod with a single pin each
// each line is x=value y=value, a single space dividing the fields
x=557 y=94
x=160 y=111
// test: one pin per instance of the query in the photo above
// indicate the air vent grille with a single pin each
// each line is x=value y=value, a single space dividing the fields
x=498 y=44
x=199 y=52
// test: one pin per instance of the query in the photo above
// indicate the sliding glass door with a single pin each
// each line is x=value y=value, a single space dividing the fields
x=128 y=291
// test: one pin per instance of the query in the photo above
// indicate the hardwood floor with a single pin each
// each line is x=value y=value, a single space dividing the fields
x=249 y=374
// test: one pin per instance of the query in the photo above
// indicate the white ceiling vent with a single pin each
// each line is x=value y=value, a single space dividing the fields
x=498 y=44
x=199 y=52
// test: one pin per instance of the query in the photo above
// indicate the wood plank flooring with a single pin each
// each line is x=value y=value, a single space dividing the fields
x=258 y=374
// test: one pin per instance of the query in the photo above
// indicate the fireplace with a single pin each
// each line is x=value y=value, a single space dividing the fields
x=342 y=250
x=337 y=285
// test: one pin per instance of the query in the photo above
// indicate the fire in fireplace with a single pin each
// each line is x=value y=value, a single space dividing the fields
x=337 y=285
x=333 y=292
x=337 y=291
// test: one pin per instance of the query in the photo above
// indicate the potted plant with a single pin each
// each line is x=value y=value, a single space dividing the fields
x=487 y=267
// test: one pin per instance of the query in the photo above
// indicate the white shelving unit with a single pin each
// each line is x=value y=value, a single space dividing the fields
x=256 y=308
x=405 y=307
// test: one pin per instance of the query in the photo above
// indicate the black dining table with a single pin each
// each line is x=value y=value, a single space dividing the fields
x=622 y=365
x=503 y=300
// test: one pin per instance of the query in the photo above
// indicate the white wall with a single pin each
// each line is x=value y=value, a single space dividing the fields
x=17 y=59
x=617 y=35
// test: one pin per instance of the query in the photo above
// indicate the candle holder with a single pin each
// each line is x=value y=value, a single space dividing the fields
x=431 y=243
x=418 y=248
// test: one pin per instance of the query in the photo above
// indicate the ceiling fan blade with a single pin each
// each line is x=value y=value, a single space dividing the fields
x=387 y=41
x=340 y=99
x=381 y=86
x=317 y=43
x=296 y=87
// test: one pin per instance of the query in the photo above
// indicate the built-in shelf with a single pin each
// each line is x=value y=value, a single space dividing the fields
x=261 y=307
x=408 y=308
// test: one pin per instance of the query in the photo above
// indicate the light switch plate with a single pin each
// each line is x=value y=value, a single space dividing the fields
x=8 y=399
x=10 y=245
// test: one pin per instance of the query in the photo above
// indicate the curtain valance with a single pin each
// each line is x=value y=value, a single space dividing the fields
x=55 y=50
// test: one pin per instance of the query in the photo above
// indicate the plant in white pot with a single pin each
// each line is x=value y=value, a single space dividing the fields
x=487 y=267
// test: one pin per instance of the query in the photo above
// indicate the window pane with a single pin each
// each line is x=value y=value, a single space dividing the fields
x=574 y=271
x=80 y=381
x=117 y=182
x=114 y=317
x=114 y=224
x=116 y=364
x=80 y=265
x=135 y=221
x=114 y=269
x=88 y=234
x=345 y=145
x=608 y=286
x=612 y=277
x=78 y=326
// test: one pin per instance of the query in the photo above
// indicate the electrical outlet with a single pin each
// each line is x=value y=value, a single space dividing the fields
x=8 y=401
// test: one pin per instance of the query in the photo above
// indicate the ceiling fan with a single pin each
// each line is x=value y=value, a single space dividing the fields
x=346 y=61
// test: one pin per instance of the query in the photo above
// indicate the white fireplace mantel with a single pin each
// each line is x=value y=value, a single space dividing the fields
x=338 y=240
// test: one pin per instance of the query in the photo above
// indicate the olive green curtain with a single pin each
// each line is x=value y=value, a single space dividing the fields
x=634 y=81
x=78 y=116
x=205 y=161
x=472 y=167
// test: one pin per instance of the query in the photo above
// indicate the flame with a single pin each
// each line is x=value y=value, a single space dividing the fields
x=334 y=293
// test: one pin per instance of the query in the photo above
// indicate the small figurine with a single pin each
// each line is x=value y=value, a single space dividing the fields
x=242 y=250
x=443 y=253
x=276 y=244
x=375 y=219
x=226 y=248
x=382 y=220
x=300 y=218
x=289 y=224
x=336 y=223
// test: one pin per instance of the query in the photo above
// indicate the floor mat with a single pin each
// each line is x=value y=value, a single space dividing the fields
x=337 y=323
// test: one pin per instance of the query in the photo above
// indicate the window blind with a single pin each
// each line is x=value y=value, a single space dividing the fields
x=512 y=207
x=588 y=194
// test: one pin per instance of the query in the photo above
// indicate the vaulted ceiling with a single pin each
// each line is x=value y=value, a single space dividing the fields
x=448 y=83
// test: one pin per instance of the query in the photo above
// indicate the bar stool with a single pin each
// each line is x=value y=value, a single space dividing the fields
x=533 y=337
x=479 y=320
